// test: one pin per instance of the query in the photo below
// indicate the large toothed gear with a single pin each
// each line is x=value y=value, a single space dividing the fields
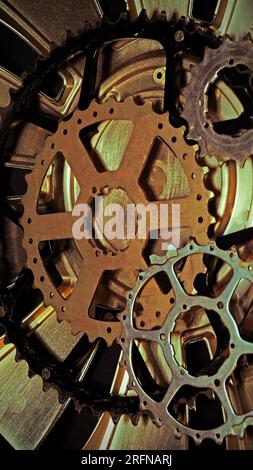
x=228 y=55
x=73 y=304
x=213 y=379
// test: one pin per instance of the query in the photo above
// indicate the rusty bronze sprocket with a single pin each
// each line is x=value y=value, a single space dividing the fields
x=147 y=126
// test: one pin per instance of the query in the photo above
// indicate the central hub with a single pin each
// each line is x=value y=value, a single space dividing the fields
x=110 y=210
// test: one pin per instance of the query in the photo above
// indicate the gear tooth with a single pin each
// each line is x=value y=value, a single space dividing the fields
x=135 y=418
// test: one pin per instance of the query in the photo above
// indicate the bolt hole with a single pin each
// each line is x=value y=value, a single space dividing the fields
x=159 y=75
x=79 y=121
x=51 y=294
x=111 y=111
x=197 y=435
x=124 y=317
x=211 y=248
x=63 y=309
x=160 y=125
x=231 y=61
x=109 y=330
x=206 y=125
x=200 y=220
x=94 y=190
x=184 y=306
x=52 y=146
x=157 y=314
x=65 y=132
x=29 y=221
x=162 y=337
x=218 y=436
x=42 y=162
x=35 y=260
x=30 y=241
x=144 y=403
x=172 y=300
x=217 y=382
x=95 y=114
x=198 y=197
x=232 y=345
x=220 y=305
x=42 y=279
x=122 y=340
x=174 y=139
x=142 y=323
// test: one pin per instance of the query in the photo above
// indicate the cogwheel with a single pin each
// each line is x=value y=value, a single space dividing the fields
x=97 y=256
x=158 y=402
x=229 y=55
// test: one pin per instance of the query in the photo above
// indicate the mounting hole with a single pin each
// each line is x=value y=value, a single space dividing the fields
x=124 y=317
x=63 y=309
x=220 y=305
x=200 y=220
x=144 y=403
x=211 y=248
x=160 y=125
x=52 y=145
x=193 y=176
x=30 y=241
x=65 y=132
x=95 y=113
x=198 y=436
x=111 y=111
x=35 y=260
x=231 y=61
x=191 y=247
x=122 y=340
x=206 y=125
x=157 y=314
x=159 y=75
x=42 y=279
x=232 y=345
x=140 y=277
x=217 y=382
x=51 y=294
x=29 y=221
x=218 y=436
x=142 y=323
x=109 y=330
x=130 y=296
x=184 y=306
x=42 y=162
x=162 y=337
x=174 y=139
x=198 y=197
x=172 y=300
x=182 y=372
x=79 y=121
x=185 y=156
x=94 y=190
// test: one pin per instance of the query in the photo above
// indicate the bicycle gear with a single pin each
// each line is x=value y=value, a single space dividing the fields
x=214 y=377
x=230 y=55
x=100 y=256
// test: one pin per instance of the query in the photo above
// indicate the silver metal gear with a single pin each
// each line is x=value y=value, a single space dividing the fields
x=234 y=424
x=229 y=54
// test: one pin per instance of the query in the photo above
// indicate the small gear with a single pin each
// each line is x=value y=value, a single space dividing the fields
x=215 y=376
x=229 y=54
x=74 y=306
